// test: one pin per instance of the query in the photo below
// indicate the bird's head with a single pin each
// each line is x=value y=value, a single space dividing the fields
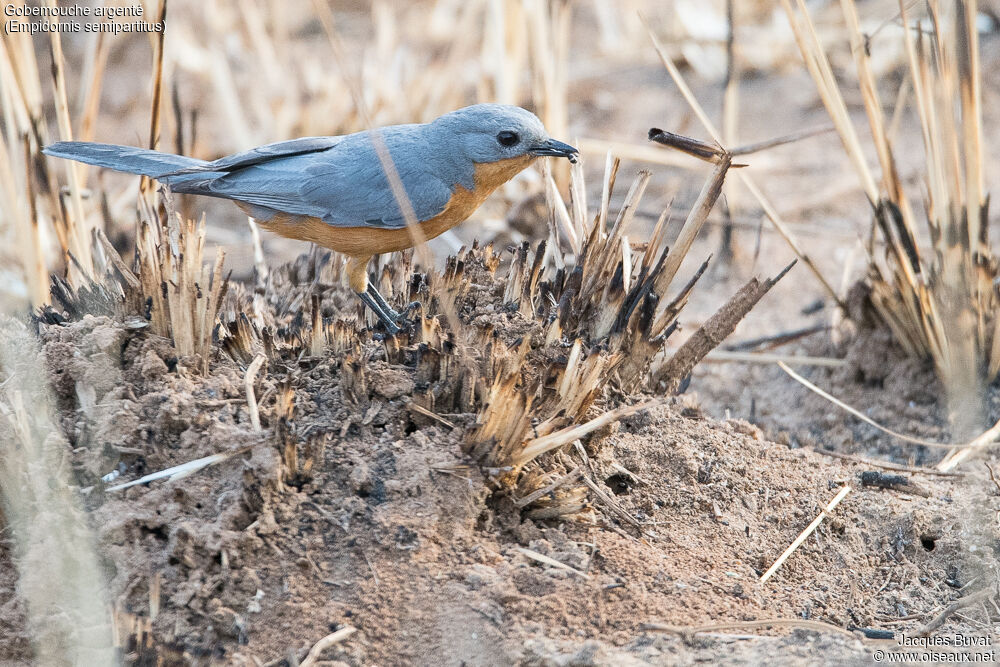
x=493 y=132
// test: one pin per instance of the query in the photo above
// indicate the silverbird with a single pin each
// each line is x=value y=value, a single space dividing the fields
x=333 y=191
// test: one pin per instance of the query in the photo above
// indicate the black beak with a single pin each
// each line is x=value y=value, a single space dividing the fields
x=556 y=149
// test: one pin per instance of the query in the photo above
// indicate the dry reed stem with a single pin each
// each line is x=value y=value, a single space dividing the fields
x=729 y=356
x=637 y=152
x=569 y=477
x=959 y=453
x=819 y=68
x=538 y=446
x=89 y=107
x=78 y=229
x=692 y=224
x=988 y=437
x=709 y=335
x=24 y=218
x=886 y=465
x=948 y=611
x=420 y=410
x=549 y=37
x=769 y=210
x=178 y=471
x=616 y=507
x=938 y=304
x=730 y=128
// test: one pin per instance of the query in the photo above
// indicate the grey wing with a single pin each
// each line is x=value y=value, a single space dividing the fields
x=345 y=187
x=265 y=153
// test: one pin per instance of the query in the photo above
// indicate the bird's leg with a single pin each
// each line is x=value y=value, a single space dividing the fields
x=394 y=314
x=357 y=275
x=388 y=320
x=380 y=300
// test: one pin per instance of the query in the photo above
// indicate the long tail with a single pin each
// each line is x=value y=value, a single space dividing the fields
x=124 y=158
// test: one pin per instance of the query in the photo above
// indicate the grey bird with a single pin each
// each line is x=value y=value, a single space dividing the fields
x=334 y=191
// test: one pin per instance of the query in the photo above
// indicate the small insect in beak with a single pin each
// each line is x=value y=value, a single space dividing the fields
x=555 y=148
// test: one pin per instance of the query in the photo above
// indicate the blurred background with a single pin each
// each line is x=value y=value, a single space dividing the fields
x=236 y=75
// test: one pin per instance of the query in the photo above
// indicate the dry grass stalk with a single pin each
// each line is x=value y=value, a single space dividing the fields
x=565 y=502
x=862 y=416
x=31 y=190
x=323 y=644
x=25 y=222
x=179 y=471
x=638 y=152
x=960 y=451
x=248 y=381
x=769 y=211
x=988 y=437
x=60 y=578
x=95 y=61
x=78 y=228
x=947 y=612
x=185 y=295
x=872 y=463
x=805 y=534
x=730 y=129
x=807 y=624
x=549 y=35
x=730 y=356
x=718 y=327
x=615 y=506
x=549 y=488
x=552 y=562
x=938 y=304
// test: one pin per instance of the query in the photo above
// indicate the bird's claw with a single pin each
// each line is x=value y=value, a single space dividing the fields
x=393 y=322
x=400 y=325
x=397 y=316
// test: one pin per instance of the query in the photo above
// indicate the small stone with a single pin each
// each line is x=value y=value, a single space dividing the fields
x=391 y=383
x=228 y=623
x=480 y=575
x=360 y=479
x=266 y=523
x=152 y=366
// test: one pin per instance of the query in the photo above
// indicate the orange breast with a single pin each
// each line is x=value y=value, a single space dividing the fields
x=363 y=242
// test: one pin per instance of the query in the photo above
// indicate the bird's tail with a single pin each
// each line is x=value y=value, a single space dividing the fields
x=123 y=158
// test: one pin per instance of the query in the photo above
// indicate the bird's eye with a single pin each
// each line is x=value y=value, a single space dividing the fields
x=508 y=138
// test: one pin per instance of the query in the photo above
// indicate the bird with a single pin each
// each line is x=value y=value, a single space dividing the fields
x=334 y=191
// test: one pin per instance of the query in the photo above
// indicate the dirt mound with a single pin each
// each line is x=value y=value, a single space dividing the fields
x=355 y=505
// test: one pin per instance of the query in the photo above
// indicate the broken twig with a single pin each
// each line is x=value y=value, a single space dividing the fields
x=805 y=534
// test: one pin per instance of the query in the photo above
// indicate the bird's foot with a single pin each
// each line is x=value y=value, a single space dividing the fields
x=386 y=318
x=410 y=307
x=393 y=322
x=390 y=313
x=402 y=319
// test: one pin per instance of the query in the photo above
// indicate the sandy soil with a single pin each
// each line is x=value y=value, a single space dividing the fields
x=393 y=532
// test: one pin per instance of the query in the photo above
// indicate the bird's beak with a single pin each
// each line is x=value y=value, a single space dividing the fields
x=555 y=149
